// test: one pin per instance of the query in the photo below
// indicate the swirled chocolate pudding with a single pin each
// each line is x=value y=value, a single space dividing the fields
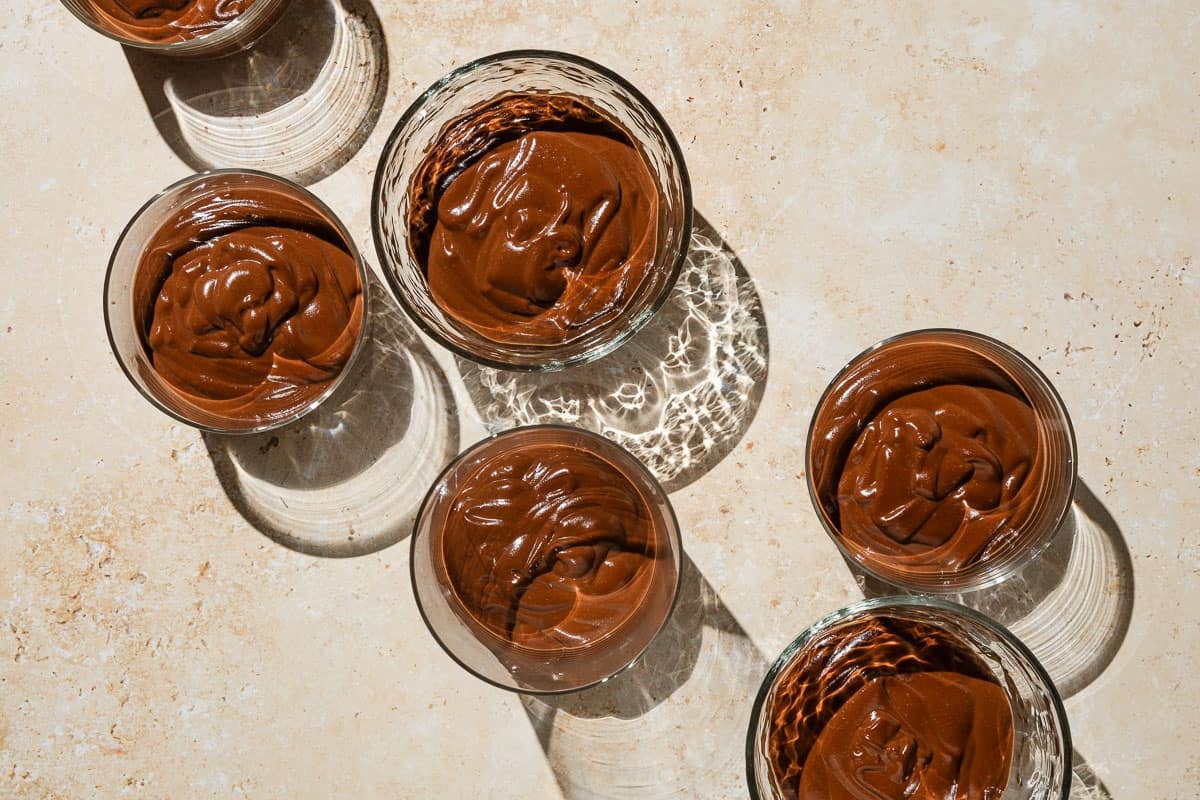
x=549 y=547
x=250 y=303
x=927 y=455
x=167 y=20
x=889 y=709
x=535 y=218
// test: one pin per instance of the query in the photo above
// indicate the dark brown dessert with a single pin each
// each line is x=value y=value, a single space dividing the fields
x=925 y=736
x=167 y=20
x=938 y=474
x=535 y=219
x=926 y=456
x=889 y=709
x=550 y=547
x=250 y=303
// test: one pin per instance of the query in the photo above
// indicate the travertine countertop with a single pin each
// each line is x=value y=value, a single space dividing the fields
x=1028 y=170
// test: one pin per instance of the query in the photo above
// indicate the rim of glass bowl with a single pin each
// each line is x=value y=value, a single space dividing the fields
x=621 y=335
x=863 y=607
x=987 y=579
x=673 y=534
x=197 y=45
x=363 y=277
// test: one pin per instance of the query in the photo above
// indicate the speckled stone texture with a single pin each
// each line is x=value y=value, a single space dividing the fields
x=1025 y=169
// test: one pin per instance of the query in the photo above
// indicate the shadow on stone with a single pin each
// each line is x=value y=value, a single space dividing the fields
x=347 y=479
x=679 y=395
x=1085 y=784
x=300 y=103
x=692 y=689
x=1071 y=606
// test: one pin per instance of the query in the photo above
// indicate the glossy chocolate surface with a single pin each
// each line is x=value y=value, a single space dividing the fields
x=250 y=303
x=922 y=736
x=167 y=20
x=888 y=708
x=927 y=455
x=535 y=218
x=551 y=547
x=939 y=475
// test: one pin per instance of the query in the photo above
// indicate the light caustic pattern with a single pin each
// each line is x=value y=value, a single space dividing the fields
x=347 y=478
x=241 y=127
x=691 y=691
x=1086 y=786
x=681 y=390
x=1074 y=630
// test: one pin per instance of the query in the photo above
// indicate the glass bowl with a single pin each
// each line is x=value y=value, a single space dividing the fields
x=920 y=360
x=129 y=293
x=837 y=649
x=496 y=658
x=238 y=34
x=466 y=88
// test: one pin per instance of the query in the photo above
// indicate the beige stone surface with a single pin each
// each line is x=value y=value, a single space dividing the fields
x=1025 y=169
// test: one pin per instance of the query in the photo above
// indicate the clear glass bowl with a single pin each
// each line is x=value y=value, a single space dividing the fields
x=853 y=398
x=498 y=661
x=238 y=34
x=1041 y=738
x=126 y=326
x=528 y=71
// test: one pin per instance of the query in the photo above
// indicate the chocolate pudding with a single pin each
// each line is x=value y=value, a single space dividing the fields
x=940 y=475
x=166 y=20
x=925 y=736
x=534 y=218
x=927 y=455
x=549 y=547
x=889 y=709
x=250 y=303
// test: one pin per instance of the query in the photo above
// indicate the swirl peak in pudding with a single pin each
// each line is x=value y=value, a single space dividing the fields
x=888 y=708
x=251 y=303
x=535 y=218
x=167 y=20
x=922 y=736
x=926 y=456
x=939 y=471
x=550 y=547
